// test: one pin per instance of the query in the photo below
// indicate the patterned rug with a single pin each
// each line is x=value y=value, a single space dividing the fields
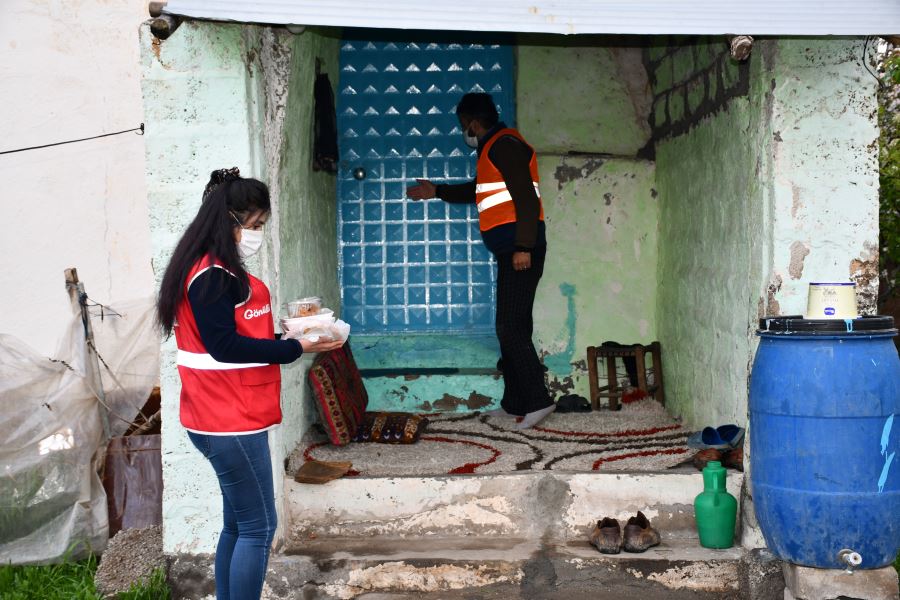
x=640 y=437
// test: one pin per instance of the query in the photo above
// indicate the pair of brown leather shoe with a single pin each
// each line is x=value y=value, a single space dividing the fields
x=638 y=536
x=730 y=459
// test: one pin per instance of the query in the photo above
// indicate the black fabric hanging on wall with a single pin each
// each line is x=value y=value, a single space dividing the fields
x=325 y=143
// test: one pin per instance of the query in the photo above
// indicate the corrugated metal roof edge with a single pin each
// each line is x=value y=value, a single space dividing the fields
x=714 y=26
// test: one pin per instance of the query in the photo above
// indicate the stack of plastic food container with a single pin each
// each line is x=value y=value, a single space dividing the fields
x=305 y=318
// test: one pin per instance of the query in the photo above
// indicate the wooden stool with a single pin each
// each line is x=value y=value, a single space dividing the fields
x=609 y=354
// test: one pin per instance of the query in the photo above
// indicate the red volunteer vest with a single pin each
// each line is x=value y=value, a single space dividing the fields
x=221 y=397
x=495 y=205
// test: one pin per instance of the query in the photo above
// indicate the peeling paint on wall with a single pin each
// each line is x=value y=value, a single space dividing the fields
x=561 y=362
x=599 y=280
x=799 y=252
x=773 y=309
x=449 y=403
x=778 y=190
x=864 y=271
x=566 y=173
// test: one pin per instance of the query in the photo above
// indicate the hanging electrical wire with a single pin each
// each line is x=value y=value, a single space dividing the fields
x=139 y=130
x=865 y=61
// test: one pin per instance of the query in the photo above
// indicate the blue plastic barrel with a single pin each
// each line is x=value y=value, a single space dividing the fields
x=825 y=440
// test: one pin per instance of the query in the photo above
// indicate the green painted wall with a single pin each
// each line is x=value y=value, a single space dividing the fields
x=584 y=95
x=711 y=230
x=307 y=208
x=599 y=281
x=218 y=96
x=590 y=95
x=198 y=115
x=772 y=189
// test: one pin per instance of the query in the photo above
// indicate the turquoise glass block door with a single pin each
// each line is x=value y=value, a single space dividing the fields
x=404 y=265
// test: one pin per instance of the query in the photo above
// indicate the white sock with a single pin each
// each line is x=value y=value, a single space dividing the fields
x=498 y=412
x=533 y=418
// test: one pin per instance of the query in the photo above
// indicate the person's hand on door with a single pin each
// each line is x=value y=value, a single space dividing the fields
x=424 y=191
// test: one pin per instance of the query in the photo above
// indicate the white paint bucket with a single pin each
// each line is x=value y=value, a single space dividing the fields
x=831 y=301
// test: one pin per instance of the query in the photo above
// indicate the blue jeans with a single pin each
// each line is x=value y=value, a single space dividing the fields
x=243 y=466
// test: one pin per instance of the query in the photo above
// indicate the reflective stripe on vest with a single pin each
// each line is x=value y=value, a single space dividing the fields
x=205 y=362
x=495 y=203
x=497 y=197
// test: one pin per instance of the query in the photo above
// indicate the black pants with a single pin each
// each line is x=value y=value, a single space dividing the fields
x=524 y=390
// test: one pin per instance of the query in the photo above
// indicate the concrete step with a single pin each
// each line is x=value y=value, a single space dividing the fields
x=500 y=568
x=552 y=506
x=503 y=568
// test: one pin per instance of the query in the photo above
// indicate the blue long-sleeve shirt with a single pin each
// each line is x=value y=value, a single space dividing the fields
x=213 y=296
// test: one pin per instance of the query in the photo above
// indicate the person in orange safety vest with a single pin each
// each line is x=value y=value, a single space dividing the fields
x=506 y=192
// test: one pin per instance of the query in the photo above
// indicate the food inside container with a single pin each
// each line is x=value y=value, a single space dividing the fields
x=304 y=307
x=324 y=318
x=318 y=334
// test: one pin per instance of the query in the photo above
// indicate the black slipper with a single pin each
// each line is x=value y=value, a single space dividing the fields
x=573 y=403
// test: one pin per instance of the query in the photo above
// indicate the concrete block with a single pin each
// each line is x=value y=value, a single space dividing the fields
x=696 y=93
x=659 y=112
x=437 y=568
x=807 y=583
x=761 y=575
x=707 y=54
x=657 y=51
x=683 y=64
x=558 y=506
x=663 y=75
x=730 y=74
x=712 y=76
x=676 y=105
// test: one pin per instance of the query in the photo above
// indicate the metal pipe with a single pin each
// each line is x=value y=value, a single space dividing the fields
x=850 y=558
x=156 y=8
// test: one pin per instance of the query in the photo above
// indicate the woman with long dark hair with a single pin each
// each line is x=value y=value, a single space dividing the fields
x=228 y=360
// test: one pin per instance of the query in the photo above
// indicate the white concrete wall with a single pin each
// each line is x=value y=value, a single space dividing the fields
x=197 y=93
x=70 y=70
x=217 y=95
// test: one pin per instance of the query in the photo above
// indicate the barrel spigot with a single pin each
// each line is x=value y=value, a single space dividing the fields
x=850 y=558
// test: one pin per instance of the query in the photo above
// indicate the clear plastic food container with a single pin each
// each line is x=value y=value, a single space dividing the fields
x=304 y=307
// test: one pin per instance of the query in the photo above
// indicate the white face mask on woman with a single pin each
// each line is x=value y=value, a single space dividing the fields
x=250 y=243
x=251 y=239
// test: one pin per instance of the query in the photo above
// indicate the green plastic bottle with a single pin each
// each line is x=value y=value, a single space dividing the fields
x=715 y=510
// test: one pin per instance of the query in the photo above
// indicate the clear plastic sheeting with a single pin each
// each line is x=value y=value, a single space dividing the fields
x=52 y=503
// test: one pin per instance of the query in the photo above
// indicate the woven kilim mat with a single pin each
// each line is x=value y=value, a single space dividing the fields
x=640 y=437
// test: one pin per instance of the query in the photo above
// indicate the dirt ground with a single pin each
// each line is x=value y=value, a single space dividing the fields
x=131 y=556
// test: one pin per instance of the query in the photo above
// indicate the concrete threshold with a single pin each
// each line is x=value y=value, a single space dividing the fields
x=477 y=549
x=542 y=505
x=506 y=568
x=500 y=568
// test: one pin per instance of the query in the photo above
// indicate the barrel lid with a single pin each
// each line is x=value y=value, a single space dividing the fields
x=797 y=324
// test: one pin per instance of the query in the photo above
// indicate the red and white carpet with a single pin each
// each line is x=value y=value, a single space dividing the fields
x=640 y=437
